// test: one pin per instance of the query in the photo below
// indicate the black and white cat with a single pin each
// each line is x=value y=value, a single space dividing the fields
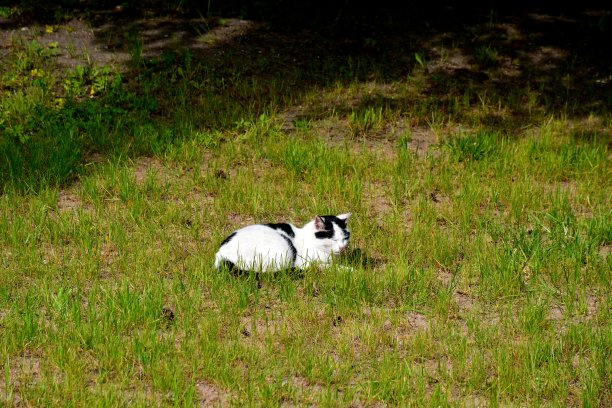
x=272 y=247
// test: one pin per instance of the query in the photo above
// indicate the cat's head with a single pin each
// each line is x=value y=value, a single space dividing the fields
x=331 y=232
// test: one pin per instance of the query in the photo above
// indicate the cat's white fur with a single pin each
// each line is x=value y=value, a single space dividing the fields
x=264 y=249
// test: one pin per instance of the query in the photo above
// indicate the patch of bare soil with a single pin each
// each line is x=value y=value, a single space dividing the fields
x=464 y=300
x=435 y=367
x=306 y=390
x=411 y=324
x=152 y=397
x=416 y=321
x=439 y=199
x=560 y=317
x=266 y=325
x=334 y=131
x=129 y=395
x=419 y=139
x=452 y=61
x=68 y=200
x=199 y=198
x=474 y=401
x=291 y=116
x=73 y=43
x=23 y=371
x=209 y=394
x=555 y=313
x=604 y=250
x=422 y=139
x=445 y=276
x=374 y=404
x=379 y=202
x=231 y=29
x=147 y=165
x=239 y=220
x=400 y=328
x=108 y=254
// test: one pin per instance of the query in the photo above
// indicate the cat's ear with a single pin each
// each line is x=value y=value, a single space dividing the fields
x=319 y=223
x=344 y=217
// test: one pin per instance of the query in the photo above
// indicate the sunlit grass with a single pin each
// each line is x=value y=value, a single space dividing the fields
x=508 y=293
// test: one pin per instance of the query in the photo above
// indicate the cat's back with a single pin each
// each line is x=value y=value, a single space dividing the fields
x=262 y=233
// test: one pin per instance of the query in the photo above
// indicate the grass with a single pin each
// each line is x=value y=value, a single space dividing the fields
x=481 y=266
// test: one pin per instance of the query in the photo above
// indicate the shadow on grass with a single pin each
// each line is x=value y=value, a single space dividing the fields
x=187 y=70
x=357 y=257
x=228 y=268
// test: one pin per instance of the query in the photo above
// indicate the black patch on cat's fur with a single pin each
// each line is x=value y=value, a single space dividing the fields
x=328 y=222
x=232 y=268
x=228 y=239
x=229 y=265
x=324 y=234
x=286 y=228
x=335 y=220
x=292 y=248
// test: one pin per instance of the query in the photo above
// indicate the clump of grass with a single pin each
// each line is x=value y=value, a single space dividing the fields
x=365 y=120
x=89 y=81
x=486 y=55
x=404 y=139
x=7 y=12
x=473 y=147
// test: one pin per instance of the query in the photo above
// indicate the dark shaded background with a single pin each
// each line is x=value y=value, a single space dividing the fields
x=558 y=53
x=387 y=34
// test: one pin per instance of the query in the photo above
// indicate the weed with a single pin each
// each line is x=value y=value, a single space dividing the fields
x=7 y=12
x=363 y=121
x=420 y=60
x=473 y=147
x=486 y=56
x=404 y=139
